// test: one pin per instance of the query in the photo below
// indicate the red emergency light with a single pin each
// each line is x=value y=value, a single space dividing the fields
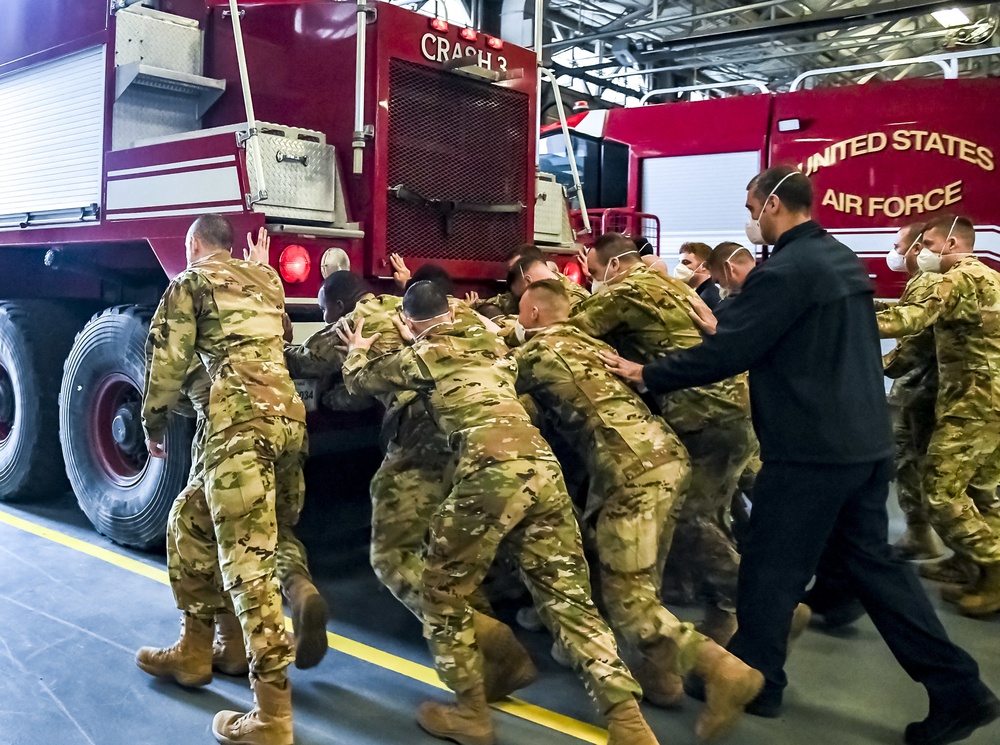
x=469 y=34
x=294 y=264
x=494 y=43
x=574 y=271
x=439 y=24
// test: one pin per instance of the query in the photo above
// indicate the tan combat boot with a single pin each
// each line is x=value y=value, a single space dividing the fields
x=467 y=721
x=656 y=673
x=188 y=661
x=955 y=570
x=627 y=726
x=229 y=654
x=919 y=543
x=730 y=684
x=984 y=598
x=507 y=666
x=268 y=723
x=718 y=625
x=309 y=616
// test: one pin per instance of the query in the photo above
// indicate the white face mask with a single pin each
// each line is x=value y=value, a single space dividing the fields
x=601 y=285
x=754 y=234
x=927 y=260
x=684 y=273
x=422 y=334
x=895 y=260
x=521 y=332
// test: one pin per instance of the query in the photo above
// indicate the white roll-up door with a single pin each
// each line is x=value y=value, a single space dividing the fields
x=699 y=197
x=52 y=135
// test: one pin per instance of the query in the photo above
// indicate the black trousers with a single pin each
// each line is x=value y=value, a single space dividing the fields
x=800 y=509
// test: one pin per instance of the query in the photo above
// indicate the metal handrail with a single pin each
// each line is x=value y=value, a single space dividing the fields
x=948 y=62
x=551 y=77
x=253 y=136
x=759 y=85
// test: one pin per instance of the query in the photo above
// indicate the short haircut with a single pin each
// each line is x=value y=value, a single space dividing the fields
x=550 y=292
x=963 y=230
x=433 y=273
x=643 y=245
x=725 y=251
x=215 y=230
x=519 y=252
x=795 y=192
x=524 y=265
x=911 y=232
x=702 y=250
x=424 y=300
x=346 y=287
x=610 y=245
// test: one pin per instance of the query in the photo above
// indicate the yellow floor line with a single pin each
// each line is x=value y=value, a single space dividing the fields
x=401 y=666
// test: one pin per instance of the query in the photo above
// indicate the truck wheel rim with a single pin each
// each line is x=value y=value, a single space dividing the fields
x=6 y=405
x=116 y=434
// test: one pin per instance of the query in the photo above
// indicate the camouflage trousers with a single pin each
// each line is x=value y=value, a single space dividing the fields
x=246 y=466
x=912 y=428
x=703 y=546
x=960 y=477
x=524 y=502
x=409 y=486
x=634 y=530
x=193 y=552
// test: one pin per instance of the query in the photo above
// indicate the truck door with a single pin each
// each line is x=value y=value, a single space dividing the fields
x=884 y=155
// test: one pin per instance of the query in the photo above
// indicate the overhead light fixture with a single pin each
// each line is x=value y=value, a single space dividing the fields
x=951 y=17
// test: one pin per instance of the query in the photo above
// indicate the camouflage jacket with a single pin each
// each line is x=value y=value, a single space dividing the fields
x=963 y=307
x=461 y=370
x=645 y=316
x=913 y=363
x=195 y=395
x=228 y=313
x=597 y=412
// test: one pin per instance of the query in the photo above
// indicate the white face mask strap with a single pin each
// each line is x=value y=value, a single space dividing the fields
x=775 y=189
x=741 y=248
x=616 y=256
x=423 y=333
x=951 y=229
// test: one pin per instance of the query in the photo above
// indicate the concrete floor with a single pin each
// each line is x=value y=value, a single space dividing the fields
x=74 y=608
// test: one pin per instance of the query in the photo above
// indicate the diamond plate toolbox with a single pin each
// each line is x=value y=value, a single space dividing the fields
x=299 y=172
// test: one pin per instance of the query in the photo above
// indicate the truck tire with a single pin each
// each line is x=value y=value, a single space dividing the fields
x=125 y=493
x=35 y=336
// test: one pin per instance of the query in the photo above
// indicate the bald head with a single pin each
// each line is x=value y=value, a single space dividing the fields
x=543 y=303
x=207 y=235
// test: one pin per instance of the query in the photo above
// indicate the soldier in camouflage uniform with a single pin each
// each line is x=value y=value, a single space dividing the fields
x=229 y=313
x=638 y=470
x=645 y=315
x=962 y=466
x=913 y=367
x=412 y=481
x=507 y=301
x=196 y=581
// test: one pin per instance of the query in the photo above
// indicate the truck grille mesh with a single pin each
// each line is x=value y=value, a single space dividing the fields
x=459 y=140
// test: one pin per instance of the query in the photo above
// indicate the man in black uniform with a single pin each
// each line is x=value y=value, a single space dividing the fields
x=804 y=326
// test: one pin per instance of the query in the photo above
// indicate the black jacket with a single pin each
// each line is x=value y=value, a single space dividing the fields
x=804 y=326
x=709 y=292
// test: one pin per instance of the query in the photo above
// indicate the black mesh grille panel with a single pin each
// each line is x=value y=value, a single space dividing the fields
x=459 y=140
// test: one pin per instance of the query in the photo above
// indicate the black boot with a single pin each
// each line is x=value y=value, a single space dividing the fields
x=954 y=719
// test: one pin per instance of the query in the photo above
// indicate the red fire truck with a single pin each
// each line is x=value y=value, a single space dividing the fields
x=352 y=131
x=881 y=155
